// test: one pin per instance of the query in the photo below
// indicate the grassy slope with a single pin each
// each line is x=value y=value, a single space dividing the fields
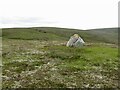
x=30 y=60
x=108 y=35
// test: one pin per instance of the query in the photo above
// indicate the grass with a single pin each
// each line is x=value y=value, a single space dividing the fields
x=38 y=57
x=29 y=34
x=81 y=58
x=105 y=35
x=41 y=64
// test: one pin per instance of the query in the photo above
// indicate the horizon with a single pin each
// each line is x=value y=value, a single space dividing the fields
x=61 y=28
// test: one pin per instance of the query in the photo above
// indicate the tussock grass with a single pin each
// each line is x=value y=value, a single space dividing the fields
x=45 y=64
x=38 y=57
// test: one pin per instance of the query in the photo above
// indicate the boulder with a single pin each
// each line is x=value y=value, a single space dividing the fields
x=75 y=41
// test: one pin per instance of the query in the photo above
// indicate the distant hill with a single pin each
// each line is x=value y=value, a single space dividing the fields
x=103 y=35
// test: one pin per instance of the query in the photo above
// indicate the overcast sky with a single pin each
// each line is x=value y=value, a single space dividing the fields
x=79 y=14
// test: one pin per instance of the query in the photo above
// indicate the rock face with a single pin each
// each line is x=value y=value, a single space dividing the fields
x=75 y=41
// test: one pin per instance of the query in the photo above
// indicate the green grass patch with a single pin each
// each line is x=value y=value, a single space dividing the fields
x=85 y=58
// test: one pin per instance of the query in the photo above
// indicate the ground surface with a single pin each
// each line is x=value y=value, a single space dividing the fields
x=51 y=64
x=35 y=60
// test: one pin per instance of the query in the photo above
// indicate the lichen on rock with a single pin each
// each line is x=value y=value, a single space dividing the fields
x=75 y=41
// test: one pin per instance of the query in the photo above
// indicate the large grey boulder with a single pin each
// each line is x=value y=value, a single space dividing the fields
x=75 y=41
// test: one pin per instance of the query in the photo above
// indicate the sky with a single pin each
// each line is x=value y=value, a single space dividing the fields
x=78 y=14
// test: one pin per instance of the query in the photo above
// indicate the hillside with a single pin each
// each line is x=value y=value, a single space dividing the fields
x=105 y=35
x=38 y=58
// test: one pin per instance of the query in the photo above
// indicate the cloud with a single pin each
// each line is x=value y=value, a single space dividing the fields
x=27 y=20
